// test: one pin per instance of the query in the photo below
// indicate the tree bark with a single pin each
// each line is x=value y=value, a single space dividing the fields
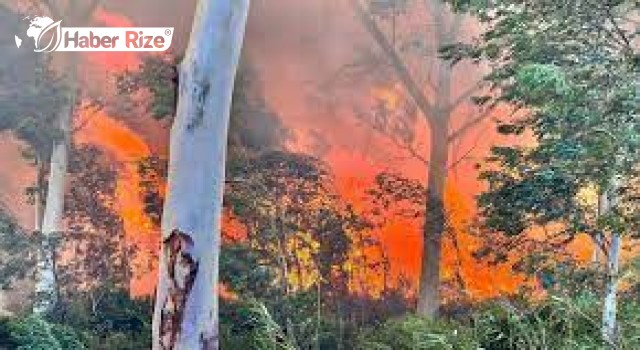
x=609 y=309
x=435 y=220
x=435 y=213
x=186 y=310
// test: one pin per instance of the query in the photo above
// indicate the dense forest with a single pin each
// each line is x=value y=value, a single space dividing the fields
x=323 y=174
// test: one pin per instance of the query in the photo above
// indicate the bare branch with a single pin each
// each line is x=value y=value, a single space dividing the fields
x=618 y=30
x=405 y=146
x=470 y=125
x=405 y=76
x=468 y=152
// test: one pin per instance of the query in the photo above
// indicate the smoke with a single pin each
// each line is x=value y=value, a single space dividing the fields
x=319 y=72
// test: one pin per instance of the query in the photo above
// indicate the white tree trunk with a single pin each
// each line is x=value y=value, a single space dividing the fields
x=609 y=310
x=186 y=310
x=52 y=221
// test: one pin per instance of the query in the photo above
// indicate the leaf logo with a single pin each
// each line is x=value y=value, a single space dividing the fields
x=54 y=40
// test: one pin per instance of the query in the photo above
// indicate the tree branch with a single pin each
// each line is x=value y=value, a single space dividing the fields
x=425 y=106
x=469 y=125
x=402 y=145
x=615 y=25
x=467 y=153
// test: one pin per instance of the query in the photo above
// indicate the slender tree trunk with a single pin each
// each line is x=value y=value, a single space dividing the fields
x=435 y=215
x=38 y=199
x=437 y=115
x=46 y=287
x=434 y=226
x=609 y=310
x=186 y=310
x=52 y=221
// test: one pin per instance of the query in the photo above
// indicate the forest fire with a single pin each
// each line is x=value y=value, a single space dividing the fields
x=339 y=174
x=126 y=149
x=355 y=166
x=355 y=169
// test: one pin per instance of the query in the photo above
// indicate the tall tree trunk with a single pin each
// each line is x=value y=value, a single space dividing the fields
x=435 y=215
x=434 y=226
x=38 y=199
x=437 y=112
x=609 y=309
x=52 y=221
x=186 y=310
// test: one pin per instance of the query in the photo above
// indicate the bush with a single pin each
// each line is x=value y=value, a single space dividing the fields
x=249 y=326
x=34 y=333
x=556 y=323
x=115 y=322
x=413 y=333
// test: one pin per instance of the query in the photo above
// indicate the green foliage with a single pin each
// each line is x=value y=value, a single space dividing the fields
x=110 y=318
x=412 y=333
x=94 y=241
x=537 y=82
x=19 y=249
x=104 y=319
x=557 y=323
x=30 y=94
x=253 y=126
x=554 y=323
x=157 y=74
x=568 y=69
x=35 y=333
x=249 y=326
x=243 y=270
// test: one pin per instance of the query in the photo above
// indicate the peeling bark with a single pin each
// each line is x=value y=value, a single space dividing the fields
x=182 y=272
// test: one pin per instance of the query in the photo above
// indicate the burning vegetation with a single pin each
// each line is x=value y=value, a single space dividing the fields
x=363 y=174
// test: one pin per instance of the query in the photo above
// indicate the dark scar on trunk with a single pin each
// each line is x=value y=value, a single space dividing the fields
x=176 y=249
x=201 y=92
